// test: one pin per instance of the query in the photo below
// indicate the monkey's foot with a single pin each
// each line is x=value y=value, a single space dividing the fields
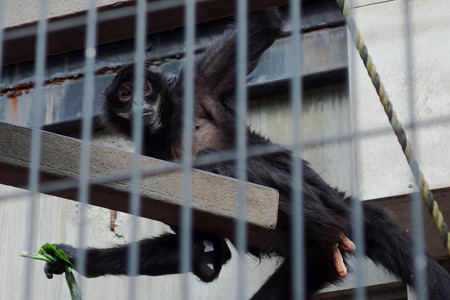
x=346 y=245
x=209 y=257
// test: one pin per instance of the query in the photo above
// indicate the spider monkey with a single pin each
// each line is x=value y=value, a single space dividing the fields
x=327 y=211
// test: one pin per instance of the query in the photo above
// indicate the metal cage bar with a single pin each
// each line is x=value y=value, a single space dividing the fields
x=86 y=136
x=296 y=101
x=36 y=138
x=188 y=125
x=241 y=142
x=420 y=260
x=357 y=216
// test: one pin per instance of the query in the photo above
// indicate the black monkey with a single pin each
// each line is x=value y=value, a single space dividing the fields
x=327 y=211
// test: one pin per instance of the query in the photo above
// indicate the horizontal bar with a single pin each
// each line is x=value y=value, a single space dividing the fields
x=214 y=197
x=115 y=23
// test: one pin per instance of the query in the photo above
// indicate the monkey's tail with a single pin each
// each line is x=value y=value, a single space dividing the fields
x=388 y=245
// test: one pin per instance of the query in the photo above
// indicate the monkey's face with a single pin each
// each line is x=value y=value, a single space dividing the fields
x=148 y=104
x=122 y=102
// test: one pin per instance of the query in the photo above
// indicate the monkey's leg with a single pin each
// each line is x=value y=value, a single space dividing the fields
x=157 y=256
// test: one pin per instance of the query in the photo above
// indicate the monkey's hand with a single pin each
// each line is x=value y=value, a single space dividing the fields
x=60 y=266
x=345 y=245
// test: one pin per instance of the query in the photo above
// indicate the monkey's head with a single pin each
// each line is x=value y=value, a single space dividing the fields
x=120 y=105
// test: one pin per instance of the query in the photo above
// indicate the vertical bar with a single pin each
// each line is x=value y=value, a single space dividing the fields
x=241 y=142
x=297 y=231
x=37 y=121
x=416 y=199
x=86 y=134
x=188 y=124
x=138 y=98
x=356 y=206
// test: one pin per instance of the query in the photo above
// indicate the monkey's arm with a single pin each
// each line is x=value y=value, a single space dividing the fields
x=216 y=69
x=157 y=256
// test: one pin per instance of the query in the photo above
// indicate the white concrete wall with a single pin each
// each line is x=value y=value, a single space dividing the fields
x=382 y=167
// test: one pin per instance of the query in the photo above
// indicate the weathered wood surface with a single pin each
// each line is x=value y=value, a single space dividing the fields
x=400 y=207
x=213 y=197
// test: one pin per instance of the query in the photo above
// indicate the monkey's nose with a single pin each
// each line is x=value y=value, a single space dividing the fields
x=140 y=105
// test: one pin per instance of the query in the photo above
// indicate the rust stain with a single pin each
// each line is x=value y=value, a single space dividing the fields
x=112 y=220
x=25 y=87
x=14 y=109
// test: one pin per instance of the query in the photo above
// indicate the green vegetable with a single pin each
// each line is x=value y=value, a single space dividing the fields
x=51 y=254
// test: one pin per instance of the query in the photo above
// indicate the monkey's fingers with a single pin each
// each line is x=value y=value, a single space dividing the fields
x=347 y=245
x=339 y=261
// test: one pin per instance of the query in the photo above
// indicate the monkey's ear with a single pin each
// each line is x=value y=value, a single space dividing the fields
x=216 y=69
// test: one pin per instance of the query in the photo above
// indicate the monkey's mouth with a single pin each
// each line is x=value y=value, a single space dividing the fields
x=127 y=115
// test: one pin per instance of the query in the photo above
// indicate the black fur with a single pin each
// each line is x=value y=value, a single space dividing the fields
x=327 y=211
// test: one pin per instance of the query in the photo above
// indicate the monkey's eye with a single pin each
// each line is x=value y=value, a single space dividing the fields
x=125 y=93
x=148 y=88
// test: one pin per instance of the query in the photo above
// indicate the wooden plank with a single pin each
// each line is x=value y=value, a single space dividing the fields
x=213 y=196
x=116 y=23
x=400 y=207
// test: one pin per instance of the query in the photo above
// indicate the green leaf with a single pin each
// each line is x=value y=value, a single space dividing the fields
x=51 y=254
x=61 y=255
x=75 y=291
x=49 y=250
x=34 y=256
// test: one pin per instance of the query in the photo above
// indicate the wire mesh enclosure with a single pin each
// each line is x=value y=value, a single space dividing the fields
x=161 y=140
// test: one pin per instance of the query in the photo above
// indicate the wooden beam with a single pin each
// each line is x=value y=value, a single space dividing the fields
x=400 y=207
x=116 y=22
x=213 y=197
